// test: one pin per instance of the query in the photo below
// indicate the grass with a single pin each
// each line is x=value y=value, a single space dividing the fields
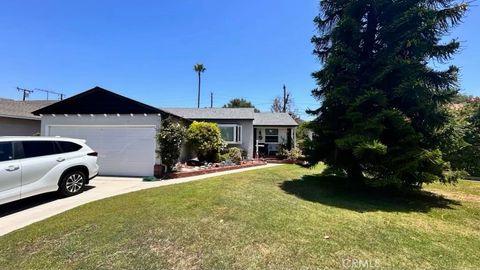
x=283 y=217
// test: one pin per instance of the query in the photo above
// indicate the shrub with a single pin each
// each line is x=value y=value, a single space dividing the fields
x=303 y=131
x=235 y=155
x=282 y=153
x=295 y=154
x=170 y=139
x=244 y=153
x=222 y=157
x=205 y=139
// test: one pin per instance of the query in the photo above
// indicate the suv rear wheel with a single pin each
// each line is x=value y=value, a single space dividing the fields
x=72 y=183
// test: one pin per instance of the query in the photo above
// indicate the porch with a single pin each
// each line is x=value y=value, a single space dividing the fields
x=269 y=139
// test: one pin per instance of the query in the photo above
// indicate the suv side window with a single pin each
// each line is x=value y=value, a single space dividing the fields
x=38 y=148
x=17 y=150
x=6 y=151
x=66 y=147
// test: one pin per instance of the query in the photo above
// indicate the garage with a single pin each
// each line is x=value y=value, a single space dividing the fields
x=122 y=150
x=122 y=130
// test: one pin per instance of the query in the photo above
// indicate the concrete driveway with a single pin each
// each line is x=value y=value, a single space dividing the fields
x=16 y=215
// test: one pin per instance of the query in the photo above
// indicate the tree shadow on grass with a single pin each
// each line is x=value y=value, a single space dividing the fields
x=334 y=191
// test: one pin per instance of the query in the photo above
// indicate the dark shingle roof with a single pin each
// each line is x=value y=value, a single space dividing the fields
x=212 y=113
x=22 y=109
x=273 y=119
x=97 y=101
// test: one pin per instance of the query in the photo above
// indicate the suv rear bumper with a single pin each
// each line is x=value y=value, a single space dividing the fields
x=95 y=175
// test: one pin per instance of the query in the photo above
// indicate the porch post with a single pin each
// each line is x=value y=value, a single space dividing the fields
x=255 y=144
x=289 y=138
x=294 y=137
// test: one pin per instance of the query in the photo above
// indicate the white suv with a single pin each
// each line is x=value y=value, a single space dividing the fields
x=34 y=165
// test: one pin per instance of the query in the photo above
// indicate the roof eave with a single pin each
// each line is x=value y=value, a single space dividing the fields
x=20 y=117
x=226 y=118
x=274 y=125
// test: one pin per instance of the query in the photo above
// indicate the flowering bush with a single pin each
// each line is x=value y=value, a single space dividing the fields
x=293 y=154
x=205 y=139
x=170 y=140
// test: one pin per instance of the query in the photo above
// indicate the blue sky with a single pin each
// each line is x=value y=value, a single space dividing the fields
x=146 y=49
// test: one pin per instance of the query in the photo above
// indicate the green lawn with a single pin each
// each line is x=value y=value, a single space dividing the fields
x=276 y=218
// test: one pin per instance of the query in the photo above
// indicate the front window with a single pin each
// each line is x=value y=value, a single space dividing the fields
x=231 y=133
x=271 y=135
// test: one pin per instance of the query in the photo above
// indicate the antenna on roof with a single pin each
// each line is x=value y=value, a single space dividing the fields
x=26 y=92
x=60 y=95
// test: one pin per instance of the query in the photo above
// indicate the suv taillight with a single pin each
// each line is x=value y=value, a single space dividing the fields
x=93 y=154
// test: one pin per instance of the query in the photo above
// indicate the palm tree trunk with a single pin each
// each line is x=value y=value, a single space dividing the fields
x=198 y=98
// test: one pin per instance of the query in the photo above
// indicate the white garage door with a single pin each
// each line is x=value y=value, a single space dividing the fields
x=123 y=151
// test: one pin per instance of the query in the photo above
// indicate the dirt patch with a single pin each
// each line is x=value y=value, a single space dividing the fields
x=459 y=196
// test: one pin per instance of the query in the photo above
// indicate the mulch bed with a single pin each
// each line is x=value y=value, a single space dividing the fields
x=213 y=170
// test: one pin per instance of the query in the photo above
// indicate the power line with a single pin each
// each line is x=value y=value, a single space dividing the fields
x=60 y=95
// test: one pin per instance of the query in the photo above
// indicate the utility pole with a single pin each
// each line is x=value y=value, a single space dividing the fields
x=211 y=99
x=26 y=92
x=285 y=98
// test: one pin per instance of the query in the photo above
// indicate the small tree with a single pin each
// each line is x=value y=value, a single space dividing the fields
x=303 y=135
x=285 y=105
x=205 y=139
x=473 y=139
x=459 y=140
x=170 y=139
x=240 y=103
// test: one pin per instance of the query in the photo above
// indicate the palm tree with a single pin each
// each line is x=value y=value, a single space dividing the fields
x=199 y=68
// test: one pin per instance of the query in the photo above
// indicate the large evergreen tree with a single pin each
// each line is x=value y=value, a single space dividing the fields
x=381 y=98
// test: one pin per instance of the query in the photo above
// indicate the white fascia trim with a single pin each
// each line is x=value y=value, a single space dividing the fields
x=20 y=117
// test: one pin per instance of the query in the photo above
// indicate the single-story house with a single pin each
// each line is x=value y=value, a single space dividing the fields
x=16 y=118
x=123 y=130
x=257 y=133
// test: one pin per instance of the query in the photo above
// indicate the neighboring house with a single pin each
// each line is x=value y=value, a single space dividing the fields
x=123 y=130
x=16 y=118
